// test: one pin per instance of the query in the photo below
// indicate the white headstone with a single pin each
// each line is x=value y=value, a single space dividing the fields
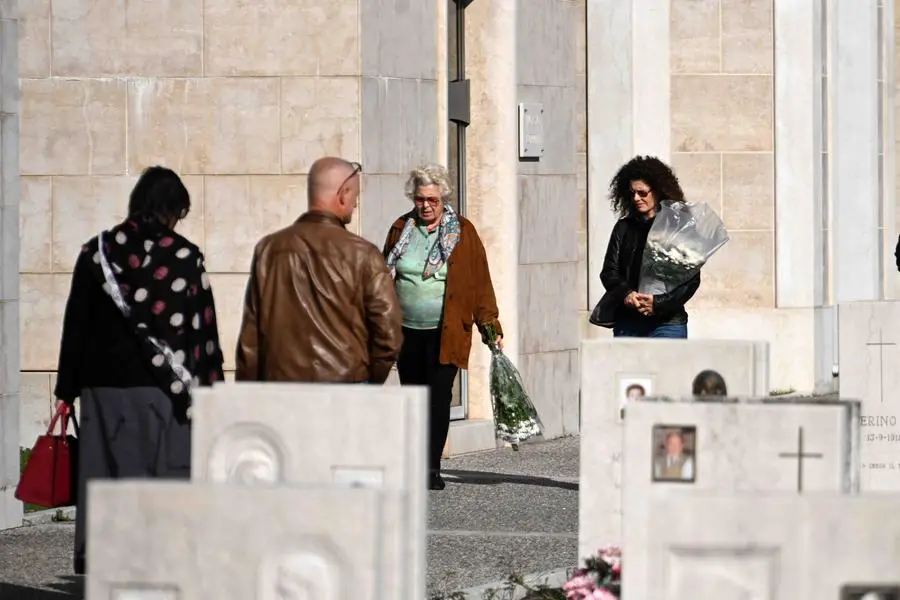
x=768 y=547
x=323 y=434
x=753 y=446
x=609 y=368
x=193 y=541
x=869 y=361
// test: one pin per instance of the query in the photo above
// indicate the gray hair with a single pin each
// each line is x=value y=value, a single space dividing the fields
x=429 y=175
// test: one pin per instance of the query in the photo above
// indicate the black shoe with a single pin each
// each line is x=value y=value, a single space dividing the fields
x=435 y=481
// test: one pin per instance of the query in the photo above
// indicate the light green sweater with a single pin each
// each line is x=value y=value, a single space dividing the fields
x=422 y=300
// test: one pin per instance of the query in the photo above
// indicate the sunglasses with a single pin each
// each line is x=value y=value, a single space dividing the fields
x=641 y=193
x=357 y=169
x=430 y=200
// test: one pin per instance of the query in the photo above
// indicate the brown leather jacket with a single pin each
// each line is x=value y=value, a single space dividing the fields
x=320 y=306
x=469 y=298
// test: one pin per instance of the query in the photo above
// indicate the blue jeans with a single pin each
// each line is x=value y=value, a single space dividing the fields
x=666 y=330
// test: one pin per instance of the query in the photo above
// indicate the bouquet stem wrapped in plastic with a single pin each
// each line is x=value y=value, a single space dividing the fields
x=681 y=240
x=515 y=418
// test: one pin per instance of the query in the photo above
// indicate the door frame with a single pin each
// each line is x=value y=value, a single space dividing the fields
x=459 y=113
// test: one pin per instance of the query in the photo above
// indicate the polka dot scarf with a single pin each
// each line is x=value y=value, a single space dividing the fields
x=158 y=281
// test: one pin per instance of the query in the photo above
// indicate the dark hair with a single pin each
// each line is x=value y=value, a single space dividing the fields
x=652 y=171
x=635 y=386
x=159 y=195
x=709 y=383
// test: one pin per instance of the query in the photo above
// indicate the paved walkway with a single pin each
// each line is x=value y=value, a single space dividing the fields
x=503 y=512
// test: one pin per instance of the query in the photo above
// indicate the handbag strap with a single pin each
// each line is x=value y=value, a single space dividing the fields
x=64 y=414
x=61 y=413
x=70 y=414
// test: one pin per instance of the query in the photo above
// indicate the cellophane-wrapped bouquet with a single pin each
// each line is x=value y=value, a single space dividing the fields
x=682 y=238
x=515 y=418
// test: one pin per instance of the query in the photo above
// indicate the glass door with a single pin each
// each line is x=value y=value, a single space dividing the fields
x=458 y=112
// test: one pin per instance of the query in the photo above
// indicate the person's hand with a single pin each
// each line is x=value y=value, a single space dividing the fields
x=632 y=299
x=645 y=304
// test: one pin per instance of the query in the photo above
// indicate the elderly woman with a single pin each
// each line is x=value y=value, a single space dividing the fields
x=635 y=193
x=444 y=285
x=139 y=332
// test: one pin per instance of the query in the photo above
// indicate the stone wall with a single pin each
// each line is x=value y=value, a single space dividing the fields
x=549 y=209
x=722 y=103
x=110 y=87
x=10 y=508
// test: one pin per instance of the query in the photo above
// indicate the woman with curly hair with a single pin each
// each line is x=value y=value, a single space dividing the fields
x=635 y=193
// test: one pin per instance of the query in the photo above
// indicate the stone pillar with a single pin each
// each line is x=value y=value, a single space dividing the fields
x=609 y=120
x=491 y=155
x=801 y=188
x=10 y=508
x=856 y=218
x=800 y=128
x=628 y=106
x=651 y=68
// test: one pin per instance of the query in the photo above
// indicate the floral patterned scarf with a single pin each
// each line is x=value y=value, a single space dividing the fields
x=157 y=280
x=448 y=237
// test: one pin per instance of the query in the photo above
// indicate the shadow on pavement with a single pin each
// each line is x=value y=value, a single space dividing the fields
x=484 y=478
x=71 y=588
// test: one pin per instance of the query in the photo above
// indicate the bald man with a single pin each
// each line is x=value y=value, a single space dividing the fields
x=320 y=304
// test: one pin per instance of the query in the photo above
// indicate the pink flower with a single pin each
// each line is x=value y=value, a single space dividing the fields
x=579 y=587
x=602 y=594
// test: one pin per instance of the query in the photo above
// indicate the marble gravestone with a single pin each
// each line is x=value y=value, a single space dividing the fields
x=194 y=541
x=612 y=367
x=767 y=445
x=256 y=434
x=777 y=546
x=868 y=358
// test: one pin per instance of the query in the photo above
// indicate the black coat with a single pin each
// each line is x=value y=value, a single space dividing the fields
x=621 y=275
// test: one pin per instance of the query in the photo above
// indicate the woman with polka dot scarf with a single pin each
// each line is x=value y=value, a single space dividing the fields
x=139 y=334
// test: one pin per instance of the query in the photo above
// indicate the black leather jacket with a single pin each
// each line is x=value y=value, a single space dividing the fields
x=622 y=271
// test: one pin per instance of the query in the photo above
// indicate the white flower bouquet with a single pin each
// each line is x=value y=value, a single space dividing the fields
x=682 y=238
x=515 y=418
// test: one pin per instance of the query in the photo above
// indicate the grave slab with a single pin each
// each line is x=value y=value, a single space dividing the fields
x=194 y=541
x=745 y=447
x=661 y=367
x=868 y=357
x=768 y=547
x=318 y=434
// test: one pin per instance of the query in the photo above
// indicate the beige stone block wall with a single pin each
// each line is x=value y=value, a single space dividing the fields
x=579 y=10
x=722 y=103
x=111 y=87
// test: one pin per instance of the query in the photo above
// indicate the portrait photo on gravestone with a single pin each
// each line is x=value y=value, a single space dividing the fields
x=631 y=388
x=673 y=453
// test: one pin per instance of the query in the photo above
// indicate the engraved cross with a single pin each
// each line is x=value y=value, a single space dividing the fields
x=800 y=455
x=881 y=344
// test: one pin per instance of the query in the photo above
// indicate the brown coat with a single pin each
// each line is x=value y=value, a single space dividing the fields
x=320 y=307
x=469 y=298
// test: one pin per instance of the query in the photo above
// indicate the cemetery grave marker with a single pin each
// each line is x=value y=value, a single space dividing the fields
x=740 y=449
x=868 y=355
x=771 y=546
x=328 y=435
x=618 y=372
x=193 y=541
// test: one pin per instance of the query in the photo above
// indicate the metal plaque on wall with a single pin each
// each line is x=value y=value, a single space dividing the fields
x=531 y=130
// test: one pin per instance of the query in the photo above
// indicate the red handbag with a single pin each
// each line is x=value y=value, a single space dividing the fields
x=50 y=477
